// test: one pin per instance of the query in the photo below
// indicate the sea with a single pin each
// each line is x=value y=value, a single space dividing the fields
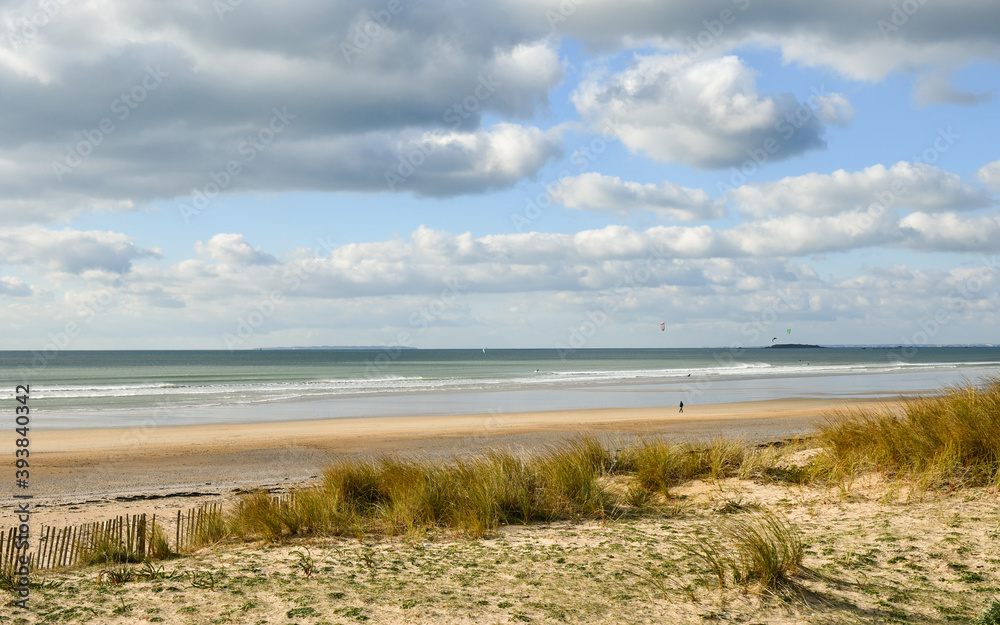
x=88 y=389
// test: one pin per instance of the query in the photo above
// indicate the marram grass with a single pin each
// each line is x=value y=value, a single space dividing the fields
x=758 y=549
x=951 y=439
x=474 y=496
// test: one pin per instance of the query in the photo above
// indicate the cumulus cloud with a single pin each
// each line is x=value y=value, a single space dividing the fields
x=597 y=192
x=578 y=262
x=726 y=273
x=989 y=175
x=121 y=104
x=914 y=186
x=707 y=114
x=14 y=287
x=232 y=249
x=161 y=95
x=951 y=232
x=430 y=163
x=70 y=251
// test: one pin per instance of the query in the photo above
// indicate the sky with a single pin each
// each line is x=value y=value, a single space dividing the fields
x=235 y=174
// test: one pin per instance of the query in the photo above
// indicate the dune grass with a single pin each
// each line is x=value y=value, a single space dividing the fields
x=104 y=548
x=950 y=439
x=953 y=439
x=473 y=496
x=758 y=549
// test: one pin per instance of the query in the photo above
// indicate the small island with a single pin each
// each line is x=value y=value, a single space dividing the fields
x=794 y=346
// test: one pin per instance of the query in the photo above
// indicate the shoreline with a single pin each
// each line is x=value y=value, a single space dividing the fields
x=83 y=474
x=380 y=431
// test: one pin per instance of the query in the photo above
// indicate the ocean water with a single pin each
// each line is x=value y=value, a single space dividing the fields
x=75 y=389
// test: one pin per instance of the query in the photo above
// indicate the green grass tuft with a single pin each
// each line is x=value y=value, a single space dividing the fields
x=952 y=440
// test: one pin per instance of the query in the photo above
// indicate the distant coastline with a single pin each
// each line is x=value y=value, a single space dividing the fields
x=336 y=348
x=794 y=346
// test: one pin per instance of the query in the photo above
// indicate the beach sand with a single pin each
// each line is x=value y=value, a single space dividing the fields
x=876 y=551
x=84 y=475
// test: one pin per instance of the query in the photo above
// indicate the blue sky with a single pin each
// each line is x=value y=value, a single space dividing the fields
x=510 y=173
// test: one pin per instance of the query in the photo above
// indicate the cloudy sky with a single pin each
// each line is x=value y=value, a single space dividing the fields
x=503 y=173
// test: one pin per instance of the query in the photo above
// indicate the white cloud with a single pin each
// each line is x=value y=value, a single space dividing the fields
x=14 y=287
x=913 y=186
x=70 y=251
x=707 y=114
x=597 y=192
x=232 y=249
x=952 y=232
x=989 y=175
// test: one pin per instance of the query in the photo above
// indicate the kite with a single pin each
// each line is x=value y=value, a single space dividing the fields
x=789 y=330
x=774 y=339
x=663 y=326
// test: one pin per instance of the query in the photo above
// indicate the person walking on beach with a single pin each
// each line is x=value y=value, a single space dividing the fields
x=682 y=406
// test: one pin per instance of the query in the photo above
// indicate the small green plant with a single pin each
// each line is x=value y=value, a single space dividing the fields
x=150 y=573
x=122 y=608
x=205 y=579
x=305 y=562
x=116 y=576
x=734 y=506
x=370 y=560
x=989 y=616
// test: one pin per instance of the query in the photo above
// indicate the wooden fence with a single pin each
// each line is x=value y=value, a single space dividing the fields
x=124 y=538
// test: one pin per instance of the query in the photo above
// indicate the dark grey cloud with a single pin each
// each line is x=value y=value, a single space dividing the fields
x=112 y=106
x=108 y=106
x=860 y=38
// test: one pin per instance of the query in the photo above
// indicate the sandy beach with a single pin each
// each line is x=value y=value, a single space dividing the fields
x=874 y=550
x=85 y=475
